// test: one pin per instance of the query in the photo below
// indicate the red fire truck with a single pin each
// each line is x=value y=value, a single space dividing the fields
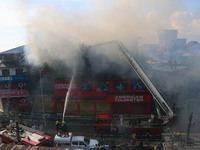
x=102 y=121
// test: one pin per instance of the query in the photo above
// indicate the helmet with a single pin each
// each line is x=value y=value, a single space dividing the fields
x=178 y=133
x=63 y=121
x=57 y=122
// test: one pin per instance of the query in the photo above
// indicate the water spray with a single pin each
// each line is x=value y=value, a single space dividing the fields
x=67 y=94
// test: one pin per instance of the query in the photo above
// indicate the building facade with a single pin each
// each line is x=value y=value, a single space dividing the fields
x=117 y=96
x=13 y=80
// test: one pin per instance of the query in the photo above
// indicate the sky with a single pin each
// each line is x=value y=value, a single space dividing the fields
x=85 y=19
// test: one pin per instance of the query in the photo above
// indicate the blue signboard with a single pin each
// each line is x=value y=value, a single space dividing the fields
x=12 y=78
x=137 y=85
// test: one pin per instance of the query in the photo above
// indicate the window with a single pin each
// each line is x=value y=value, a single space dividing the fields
x=82 y=143
x=86 y=140
x=85 y=85
x=137 y=85
x=120 y=85
x=19 y=71
x=75 y=143
x=102 y=86
x=63 y=144
x=5 y=72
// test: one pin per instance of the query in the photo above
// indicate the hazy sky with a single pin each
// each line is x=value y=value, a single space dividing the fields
x=109 y=19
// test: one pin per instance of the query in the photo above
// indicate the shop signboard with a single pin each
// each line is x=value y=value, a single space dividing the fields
x=16 y=93
x=131 y=98
x=9 y=78
x=102 y=85
x=85 y=85
x=120 y=85
x=13 y=85
x=61 y=87
x=137 y=85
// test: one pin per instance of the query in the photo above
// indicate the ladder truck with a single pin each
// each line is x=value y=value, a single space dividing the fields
x=163 y=117
x=159 y=100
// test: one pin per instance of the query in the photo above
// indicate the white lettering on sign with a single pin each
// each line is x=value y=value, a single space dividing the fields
x=129 y=98
x=5 y=78
x=64 y=86
x=13 y=93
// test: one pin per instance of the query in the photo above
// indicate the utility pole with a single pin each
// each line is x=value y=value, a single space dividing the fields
x=173 y=127
x=41 y=90
x=18 y=135
x=173 y=119
x=188 y=131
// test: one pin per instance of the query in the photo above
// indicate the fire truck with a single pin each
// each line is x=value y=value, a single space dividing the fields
x=164 y=114
x=102 y=121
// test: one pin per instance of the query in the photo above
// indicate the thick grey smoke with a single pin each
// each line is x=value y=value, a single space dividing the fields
x=53 y=31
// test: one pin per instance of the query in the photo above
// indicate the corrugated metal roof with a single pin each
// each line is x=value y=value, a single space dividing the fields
x=17 y=50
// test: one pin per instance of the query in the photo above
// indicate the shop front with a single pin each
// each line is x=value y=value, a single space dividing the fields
x=93 y=96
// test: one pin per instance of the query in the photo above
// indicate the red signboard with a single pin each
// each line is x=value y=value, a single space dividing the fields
x=61 y=87
x=13 y=85
x=117 y=91
x=22 y=93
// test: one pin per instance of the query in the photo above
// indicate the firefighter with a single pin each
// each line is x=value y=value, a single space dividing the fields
x=133 y=137
x=64 y=128
x=58 y=128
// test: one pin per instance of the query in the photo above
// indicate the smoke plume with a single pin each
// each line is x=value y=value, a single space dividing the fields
x=54 y=32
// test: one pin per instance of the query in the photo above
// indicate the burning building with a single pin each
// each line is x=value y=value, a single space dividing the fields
x=103 y=83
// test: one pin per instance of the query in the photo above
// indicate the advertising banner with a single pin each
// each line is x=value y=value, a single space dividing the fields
x=131 y=98
x=4 y=94
x=12 y=78
x=120 y=85
x=85 y=85
x=13 y=85
x=137 y=85
x=102 y=85
x=61 y=87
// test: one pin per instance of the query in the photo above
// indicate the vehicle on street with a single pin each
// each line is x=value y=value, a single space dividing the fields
x=71 y=141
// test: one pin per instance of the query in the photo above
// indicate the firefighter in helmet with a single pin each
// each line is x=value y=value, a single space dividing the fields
x=58 y=128
x=64 y=129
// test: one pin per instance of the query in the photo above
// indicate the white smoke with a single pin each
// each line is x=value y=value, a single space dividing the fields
x=187 y=24
x=55 y=30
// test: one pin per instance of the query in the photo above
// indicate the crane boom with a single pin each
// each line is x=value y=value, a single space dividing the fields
x=156 y=95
